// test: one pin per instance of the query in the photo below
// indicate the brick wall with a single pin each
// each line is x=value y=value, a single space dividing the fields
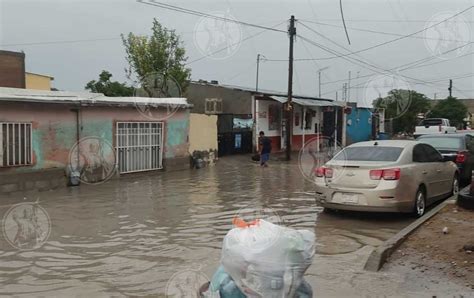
x=12 y=69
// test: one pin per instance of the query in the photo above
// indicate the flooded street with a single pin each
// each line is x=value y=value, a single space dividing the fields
x=129 y=236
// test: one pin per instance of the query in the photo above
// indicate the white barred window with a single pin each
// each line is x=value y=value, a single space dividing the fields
x=15 y=144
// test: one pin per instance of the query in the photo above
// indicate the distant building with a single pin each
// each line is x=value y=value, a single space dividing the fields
x=13 y=74
x=242 y=113
x=12 y=69
x=38 y=81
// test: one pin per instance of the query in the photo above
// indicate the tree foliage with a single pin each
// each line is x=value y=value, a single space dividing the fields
x=107 y=87
x=402 y=108
x=452 y=109
x=162 y=53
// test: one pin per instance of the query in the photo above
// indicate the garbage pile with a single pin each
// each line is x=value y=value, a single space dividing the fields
x=261 y=259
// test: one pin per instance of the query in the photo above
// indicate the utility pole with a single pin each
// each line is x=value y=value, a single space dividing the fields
x=258 y=69
x=450 y=88
x=349 y=88
x=319 y=72
x=357 y=90
x=289 y=103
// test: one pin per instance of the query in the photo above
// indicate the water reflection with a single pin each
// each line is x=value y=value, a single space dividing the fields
x=129 y=236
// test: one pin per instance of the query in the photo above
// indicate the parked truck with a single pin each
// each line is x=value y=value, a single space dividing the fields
x=434 y=126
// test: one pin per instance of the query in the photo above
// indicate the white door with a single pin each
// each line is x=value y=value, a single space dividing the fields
x=139 y=146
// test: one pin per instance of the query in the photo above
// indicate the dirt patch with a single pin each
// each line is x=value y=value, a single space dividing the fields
x=441 y=246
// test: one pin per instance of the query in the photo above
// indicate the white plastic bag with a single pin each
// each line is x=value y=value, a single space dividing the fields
x=267 y=260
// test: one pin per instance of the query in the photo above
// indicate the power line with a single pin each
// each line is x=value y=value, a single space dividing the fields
x=231 y=45
x=400 y=38
x=206 y=15
x=381 y=32
x=398 y=68
x=361 y=61
x=420 y=82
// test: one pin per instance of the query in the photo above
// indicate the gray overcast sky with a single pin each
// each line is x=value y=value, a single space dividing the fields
x=73 y=64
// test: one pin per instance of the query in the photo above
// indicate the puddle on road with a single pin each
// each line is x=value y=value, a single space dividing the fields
x=129 y=236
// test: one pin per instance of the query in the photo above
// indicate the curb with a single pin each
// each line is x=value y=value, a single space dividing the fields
x=379 y=256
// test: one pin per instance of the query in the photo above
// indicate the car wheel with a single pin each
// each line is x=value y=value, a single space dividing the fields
x=420 y=203
x=455 y=189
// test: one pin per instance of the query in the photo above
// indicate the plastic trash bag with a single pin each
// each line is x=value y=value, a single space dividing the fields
x=267 y=260
x=223 y=286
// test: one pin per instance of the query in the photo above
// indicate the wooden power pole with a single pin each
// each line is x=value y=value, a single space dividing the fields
x=289 y=103
x=450 y=89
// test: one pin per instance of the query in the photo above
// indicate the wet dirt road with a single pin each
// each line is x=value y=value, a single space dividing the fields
x=129 y=236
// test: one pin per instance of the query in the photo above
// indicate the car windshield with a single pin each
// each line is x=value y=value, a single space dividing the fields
x=370 y=153
x=442 y=142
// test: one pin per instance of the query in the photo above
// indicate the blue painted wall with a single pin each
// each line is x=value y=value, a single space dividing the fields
x=359 y=125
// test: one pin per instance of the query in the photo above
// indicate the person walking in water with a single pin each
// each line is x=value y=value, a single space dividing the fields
x=265 y=149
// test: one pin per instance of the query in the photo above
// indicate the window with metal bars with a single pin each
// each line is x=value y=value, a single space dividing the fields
x=15 y=144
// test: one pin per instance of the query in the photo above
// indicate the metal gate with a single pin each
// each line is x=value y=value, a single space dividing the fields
x=139 y=146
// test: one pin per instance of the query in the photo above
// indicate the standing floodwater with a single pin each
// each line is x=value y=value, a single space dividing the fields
x=130 y=236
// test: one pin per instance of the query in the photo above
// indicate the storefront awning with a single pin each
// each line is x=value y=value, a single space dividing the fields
x=308 y=102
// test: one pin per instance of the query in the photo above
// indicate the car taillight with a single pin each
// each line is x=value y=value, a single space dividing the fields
x=324 y=172
x=461 y=157
x=320 y=172
x=387 y=174
x=376 y=174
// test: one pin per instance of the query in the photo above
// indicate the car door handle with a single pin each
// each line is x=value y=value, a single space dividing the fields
x=424 y=172
x=438 y=171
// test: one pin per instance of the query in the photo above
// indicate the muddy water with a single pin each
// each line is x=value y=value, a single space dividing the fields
x=128 y=236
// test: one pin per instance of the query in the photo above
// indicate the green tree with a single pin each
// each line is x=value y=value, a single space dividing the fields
x=160 y=54
x=403 y=107
x=452 y=109
x=107 y=87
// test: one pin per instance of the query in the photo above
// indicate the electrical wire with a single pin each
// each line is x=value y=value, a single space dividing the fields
x=344 y=22
x=231 y=45
x=363 y=64
x=205 y=15
x=380 y=32
x=402 y=37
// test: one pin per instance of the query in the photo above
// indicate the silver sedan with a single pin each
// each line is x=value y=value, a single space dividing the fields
x=386 y=176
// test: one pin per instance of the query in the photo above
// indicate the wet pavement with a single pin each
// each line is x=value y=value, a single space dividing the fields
x=129 y=236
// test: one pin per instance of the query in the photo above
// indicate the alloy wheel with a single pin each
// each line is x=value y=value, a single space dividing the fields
x=420 y=204
x=455 y=186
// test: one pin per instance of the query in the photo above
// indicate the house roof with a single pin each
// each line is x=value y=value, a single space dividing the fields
x=39 y=74
x=308 y=102
x=85 y=98
x=260 y=92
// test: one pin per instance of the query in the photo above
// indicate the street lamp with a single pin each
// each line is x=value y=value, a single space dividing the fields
x=319 y=74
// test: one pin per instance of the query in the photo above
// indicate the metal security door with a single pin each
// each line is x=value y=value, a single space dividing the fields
x=139 y=146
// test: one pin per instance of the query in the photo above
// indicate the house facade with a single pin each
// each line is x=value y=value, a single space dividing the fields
x=242 y=113
x=45 y=135
x=38 y=81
